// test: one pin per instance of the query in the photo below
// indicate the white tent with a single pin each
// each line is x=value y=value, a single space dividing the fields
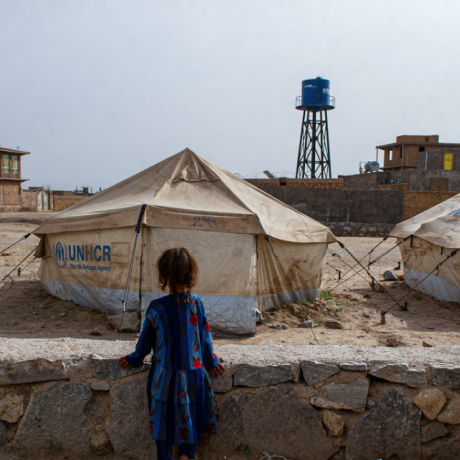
x=434 y=234
x=190 y=202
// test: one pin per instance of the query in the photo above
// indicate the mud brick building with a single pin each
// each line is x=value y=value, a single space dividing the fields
x=10 y=179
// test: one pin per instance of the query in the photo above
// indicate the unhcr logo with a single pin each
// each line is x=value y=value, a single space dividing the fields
x=60 y=254
x=82 y=253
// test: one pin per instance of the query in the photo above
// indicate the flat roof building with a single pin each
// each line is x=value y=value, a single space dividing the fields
x=404 y=153
x=10 y=179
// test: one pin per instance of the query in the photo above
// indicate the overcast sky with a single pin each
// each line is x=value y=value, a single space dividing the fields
x=98 y=90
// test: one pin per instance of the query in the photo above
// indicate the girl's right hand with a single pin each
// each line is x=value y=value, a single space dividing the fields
x=218 y=370
x=124 y=363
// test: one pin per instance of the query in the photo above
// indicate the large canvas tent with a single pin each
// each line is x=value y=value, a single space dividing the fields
x=434 y=234
x=190 y=202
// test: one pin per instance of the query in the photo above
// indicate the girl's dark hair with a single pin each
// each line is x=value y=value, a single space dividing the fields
x=177 y=266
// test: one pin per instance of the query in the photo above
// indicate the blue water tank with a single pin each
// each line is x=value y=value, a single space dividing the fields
x=315 y=95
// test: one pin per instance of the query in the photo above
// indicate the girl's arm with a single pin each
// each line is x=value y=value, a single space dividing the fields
x=143 y=347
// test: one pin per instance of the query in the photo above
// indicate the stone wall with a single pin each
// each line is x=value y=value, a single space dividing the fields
x=58 y=399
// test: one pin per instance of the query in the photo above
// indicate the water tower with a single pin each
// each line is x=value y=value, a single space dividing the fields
x=314 y=160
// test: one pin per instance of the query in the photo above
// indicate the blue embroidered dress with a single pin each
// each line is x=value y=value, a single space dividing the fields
x=180 y=395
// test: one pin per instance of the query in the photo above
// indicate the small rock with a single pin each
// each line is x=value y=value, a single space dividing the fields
x=62 y=315
x=399 y=373
x=401 y=277
x=451 y=414
x=367 y=296
x=334 y=423
x=430 y=327
x=43 y=326
x=100 y=443
x=446 y=374
x=95 y=332
x=312 y=343
x=379 y=288
x=101 y=386
x=427 y=344
x=348 y=396
x=57 y=324
x=314 y=371
x=307 y=324
x=370 y=403
x=352 y=366
x=129 y=322
x=333 y=324
x=259 y=376
x=432 y=431
x=365 y=315
x=390 y=276
x=11 y=323
x=430 y=402
x=11 y=408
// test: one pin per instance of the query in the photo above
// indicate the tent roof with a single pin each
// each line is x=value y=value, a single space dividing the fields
x=187 y=191
x=439 y=225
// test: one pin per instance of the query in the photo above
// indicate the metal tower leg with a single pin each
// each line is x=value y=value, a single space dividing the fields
x=314 y=156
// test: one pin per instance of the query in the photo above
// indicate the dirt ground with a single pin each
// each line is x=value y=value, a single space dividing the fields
x=27 y=311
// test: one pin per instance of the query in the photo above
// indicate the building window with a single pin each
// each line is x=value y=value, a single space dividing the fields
x=401 y=152
x=390 y=155
x=14 y=164
x=421 y=149
x=448 y=161
x=6 y=163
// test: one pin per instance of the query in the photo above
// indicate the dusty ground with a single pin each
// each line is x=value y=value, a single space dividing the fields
x=354 y=304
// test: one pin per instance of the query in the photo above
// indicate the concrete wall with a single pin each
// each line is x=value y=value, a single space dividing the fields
x=363 y=206
x=59 y=400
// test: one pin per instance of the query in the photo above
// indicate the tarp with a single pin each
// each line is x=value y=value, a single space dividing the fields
x=86 y=249
x=435 y=234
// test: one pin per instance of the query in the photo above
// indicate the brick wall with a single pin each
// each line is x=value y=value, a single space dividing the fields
x=29 y=200
x=10 y=194
x=64 y=202
x=392 y=187
x=439 y=185
x=297 y=183
x=416 y=202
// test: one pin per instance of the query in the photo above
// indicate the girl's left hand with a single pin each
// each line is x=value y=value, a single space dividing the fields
x=123 y=363
x=218 y=370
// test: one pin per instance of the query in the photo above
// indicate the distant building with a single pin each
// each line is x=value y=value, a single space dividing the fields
x=10 y=179
x=447 y=159
x=404 y=153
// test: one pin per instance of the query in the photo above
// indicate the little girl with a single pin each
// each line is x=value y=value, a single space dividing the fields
x=180 y=395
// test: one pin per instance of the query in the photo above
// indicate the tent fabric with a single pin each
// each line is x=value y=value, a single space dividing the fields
x=86 y=249
x=435 y=234
x=421 y=259
x=439 y=225
x=187 y=191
